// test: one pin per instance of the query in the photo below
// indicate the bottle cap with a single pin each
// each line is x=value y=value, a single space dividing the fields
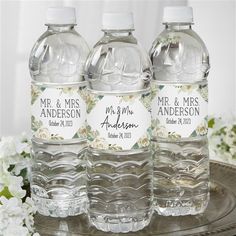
x=118 y=21
x=179 y=14
x=61 y=16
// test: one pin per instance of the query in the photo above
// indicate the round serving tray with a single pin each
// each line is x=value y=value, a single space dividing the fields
x=218 y=219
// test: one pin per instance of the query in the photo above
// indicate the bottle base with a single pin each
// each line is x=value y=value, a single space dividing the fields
x=60 y=208
x=120 y=223
x=181 y=207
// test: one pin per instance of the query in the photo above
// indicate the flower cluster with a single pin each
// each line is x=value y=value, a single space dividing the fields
x=222 y=139
x=16 y=210
x=16 y=217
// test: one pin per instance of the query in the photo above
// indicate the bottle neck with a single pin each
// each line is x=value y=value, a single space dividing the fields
x=178 y=26
x=117 y=33
x=60 y=28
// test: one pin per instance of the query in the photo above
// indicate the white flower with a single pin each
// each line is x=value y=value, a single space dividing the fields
x=10 y=212
x=232 y=150
x=14 y=183
x=227 y=157
x=214 y=141
x=30 y=209
x=11 y=146
x=222 y=140
x=15 y=186
x=16 y=218
x=230 y=137
x=11 y=149
x=22 y=164
x=13 y=230
x=187 y=88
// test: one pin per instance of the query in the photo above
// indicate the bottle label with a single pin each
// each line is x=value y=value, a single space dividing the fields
x=179 y=111
x=58 y=113
x=118 y=122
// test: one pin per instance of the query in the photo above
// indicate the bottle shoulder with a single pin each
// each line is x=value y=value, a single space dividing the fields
x=58 y=53
x=118 y=64
x=118 y=50
x=186 y=37
x=179 y=55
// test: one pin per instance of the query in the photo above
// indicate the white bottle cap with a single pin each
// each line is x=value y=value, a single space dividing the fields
x=178 y=14
x=118 y=21
x=61 y=16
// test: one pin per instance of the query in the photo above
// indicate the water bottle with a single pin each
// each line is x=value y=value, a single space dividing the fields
x=58 y=105
x=119 y=163
x=179 y=116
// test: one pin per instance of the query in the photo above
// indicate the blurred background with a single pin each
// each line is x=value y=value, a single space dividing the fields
x=22 y=22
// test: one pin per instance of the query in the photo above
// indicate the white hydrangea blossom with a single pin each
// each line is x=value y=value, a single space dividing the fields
x=11 y=150
x=222 y=140
x=16 y=216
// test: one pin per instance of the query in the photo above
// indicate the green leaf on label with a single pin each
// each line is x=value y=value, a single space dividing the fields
x=100 y=97
x=135 y=146
x=75 y=136
x=193 y=134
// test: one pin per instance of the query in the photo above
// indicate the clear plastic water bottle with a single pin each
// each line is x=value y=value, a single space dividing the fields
x=119 y=164
x=179 y=116
x=58 y=179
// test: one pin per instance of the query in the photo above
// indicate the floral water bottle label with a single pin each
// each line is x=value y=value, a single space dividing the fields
x=58 y=113
x=179 y=111
x=118 y=122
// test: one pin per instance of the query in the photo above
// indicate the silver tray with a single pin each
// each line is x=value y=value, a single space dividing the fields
x=218 y=219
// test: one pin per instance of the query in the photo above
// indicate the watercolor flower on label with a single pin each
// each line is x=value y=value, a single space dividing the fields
x=35 y=92
x=158 y=130
x=91 y=100
x=145 y=99
x=68 y=90
x=144 y=141
x=203 y=90
x=202 y=129
x=187 y=88
x=83 y=92
x=155 y=90
x=99 y=143
x=43 y=133
x=91 y=134
x=82 y=132
x=35 y=124
x=128 y=98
